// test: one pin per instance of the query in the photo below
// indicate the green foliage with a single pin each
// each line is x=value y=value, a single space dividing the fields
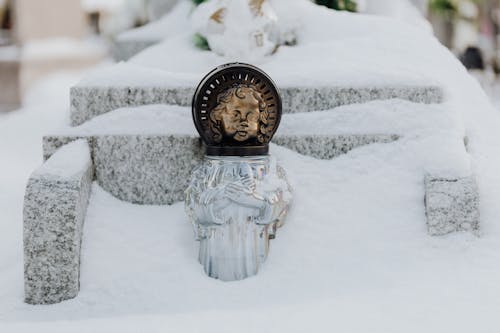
x=201 y=42
x=197 y=2
x=349 y=5
x=444 y=7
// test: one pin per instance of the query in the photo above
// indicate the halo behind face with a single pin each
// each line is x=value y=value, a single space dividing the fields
x=211 y=98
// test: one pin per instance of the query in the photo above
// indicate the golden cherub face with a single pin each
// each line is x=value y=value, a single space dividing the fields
x=240 y=119
x=238 y=114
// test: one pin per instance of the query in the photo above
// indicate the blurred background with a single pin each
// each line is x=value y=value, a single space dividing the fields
x=41 y=37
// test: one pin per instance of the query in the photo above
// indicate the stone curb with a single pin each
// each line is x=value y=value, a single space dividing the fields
x=54 y=213
x=451 y=205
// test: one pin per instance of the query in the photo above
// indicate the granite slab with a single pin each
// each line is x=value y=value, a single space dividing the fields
x=155 y=169
x=88 y=102
x=451 y=205
x=55 y=205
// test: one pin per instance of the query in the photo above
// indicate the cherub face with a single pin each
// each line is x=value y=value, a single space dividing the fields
x=240 y=119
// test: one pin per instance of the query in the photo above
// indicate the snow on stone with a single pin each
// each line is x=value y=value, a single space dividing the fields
x=385 y=117
x=432 y=132
x=125 y=74
x=332 y=48
x=68 y=161
x=147 y=120
x=389 y=117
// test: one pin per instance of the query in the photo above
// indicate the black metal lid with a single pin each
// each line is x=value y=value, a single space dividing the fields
x=236 y=109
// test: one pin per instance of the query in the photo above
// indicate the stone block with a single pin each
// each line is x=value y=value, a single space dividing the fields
x=451 y=205
x=155 y=169
x=152 y=170
x=305 y=99
x=143 y=169
x=55 y=205
x=88 y=102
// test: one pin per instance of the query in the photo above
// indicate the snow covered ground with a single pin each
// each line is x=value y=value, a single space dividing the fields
x=354 y=255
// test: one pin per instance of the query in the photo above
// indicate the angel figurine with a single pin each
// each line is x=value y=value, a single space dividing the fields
x=239 y=195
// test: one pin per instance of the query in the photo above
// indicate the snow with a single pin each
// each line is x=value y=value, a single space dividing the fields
x=402 y=10
x=157 y=66
x=146 y=120
x=61 y=47
x=172 y=23
x=67 y=162
x=353 y=256
x=389 y=117
x=45 y=107
x=433 y=133
x=124 y=74
x=383 y=117
x=328 y=53
x=325 y=270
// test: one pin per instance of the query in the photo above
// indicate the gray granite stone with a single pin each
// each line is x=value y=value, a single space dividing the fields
x=143 y=169
x=329 y=146
x=146 y=169
x=55 y=205
x=88 y=102
x=299 y=99
x=451 y=205
x=122 y=50
x=155 y=169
